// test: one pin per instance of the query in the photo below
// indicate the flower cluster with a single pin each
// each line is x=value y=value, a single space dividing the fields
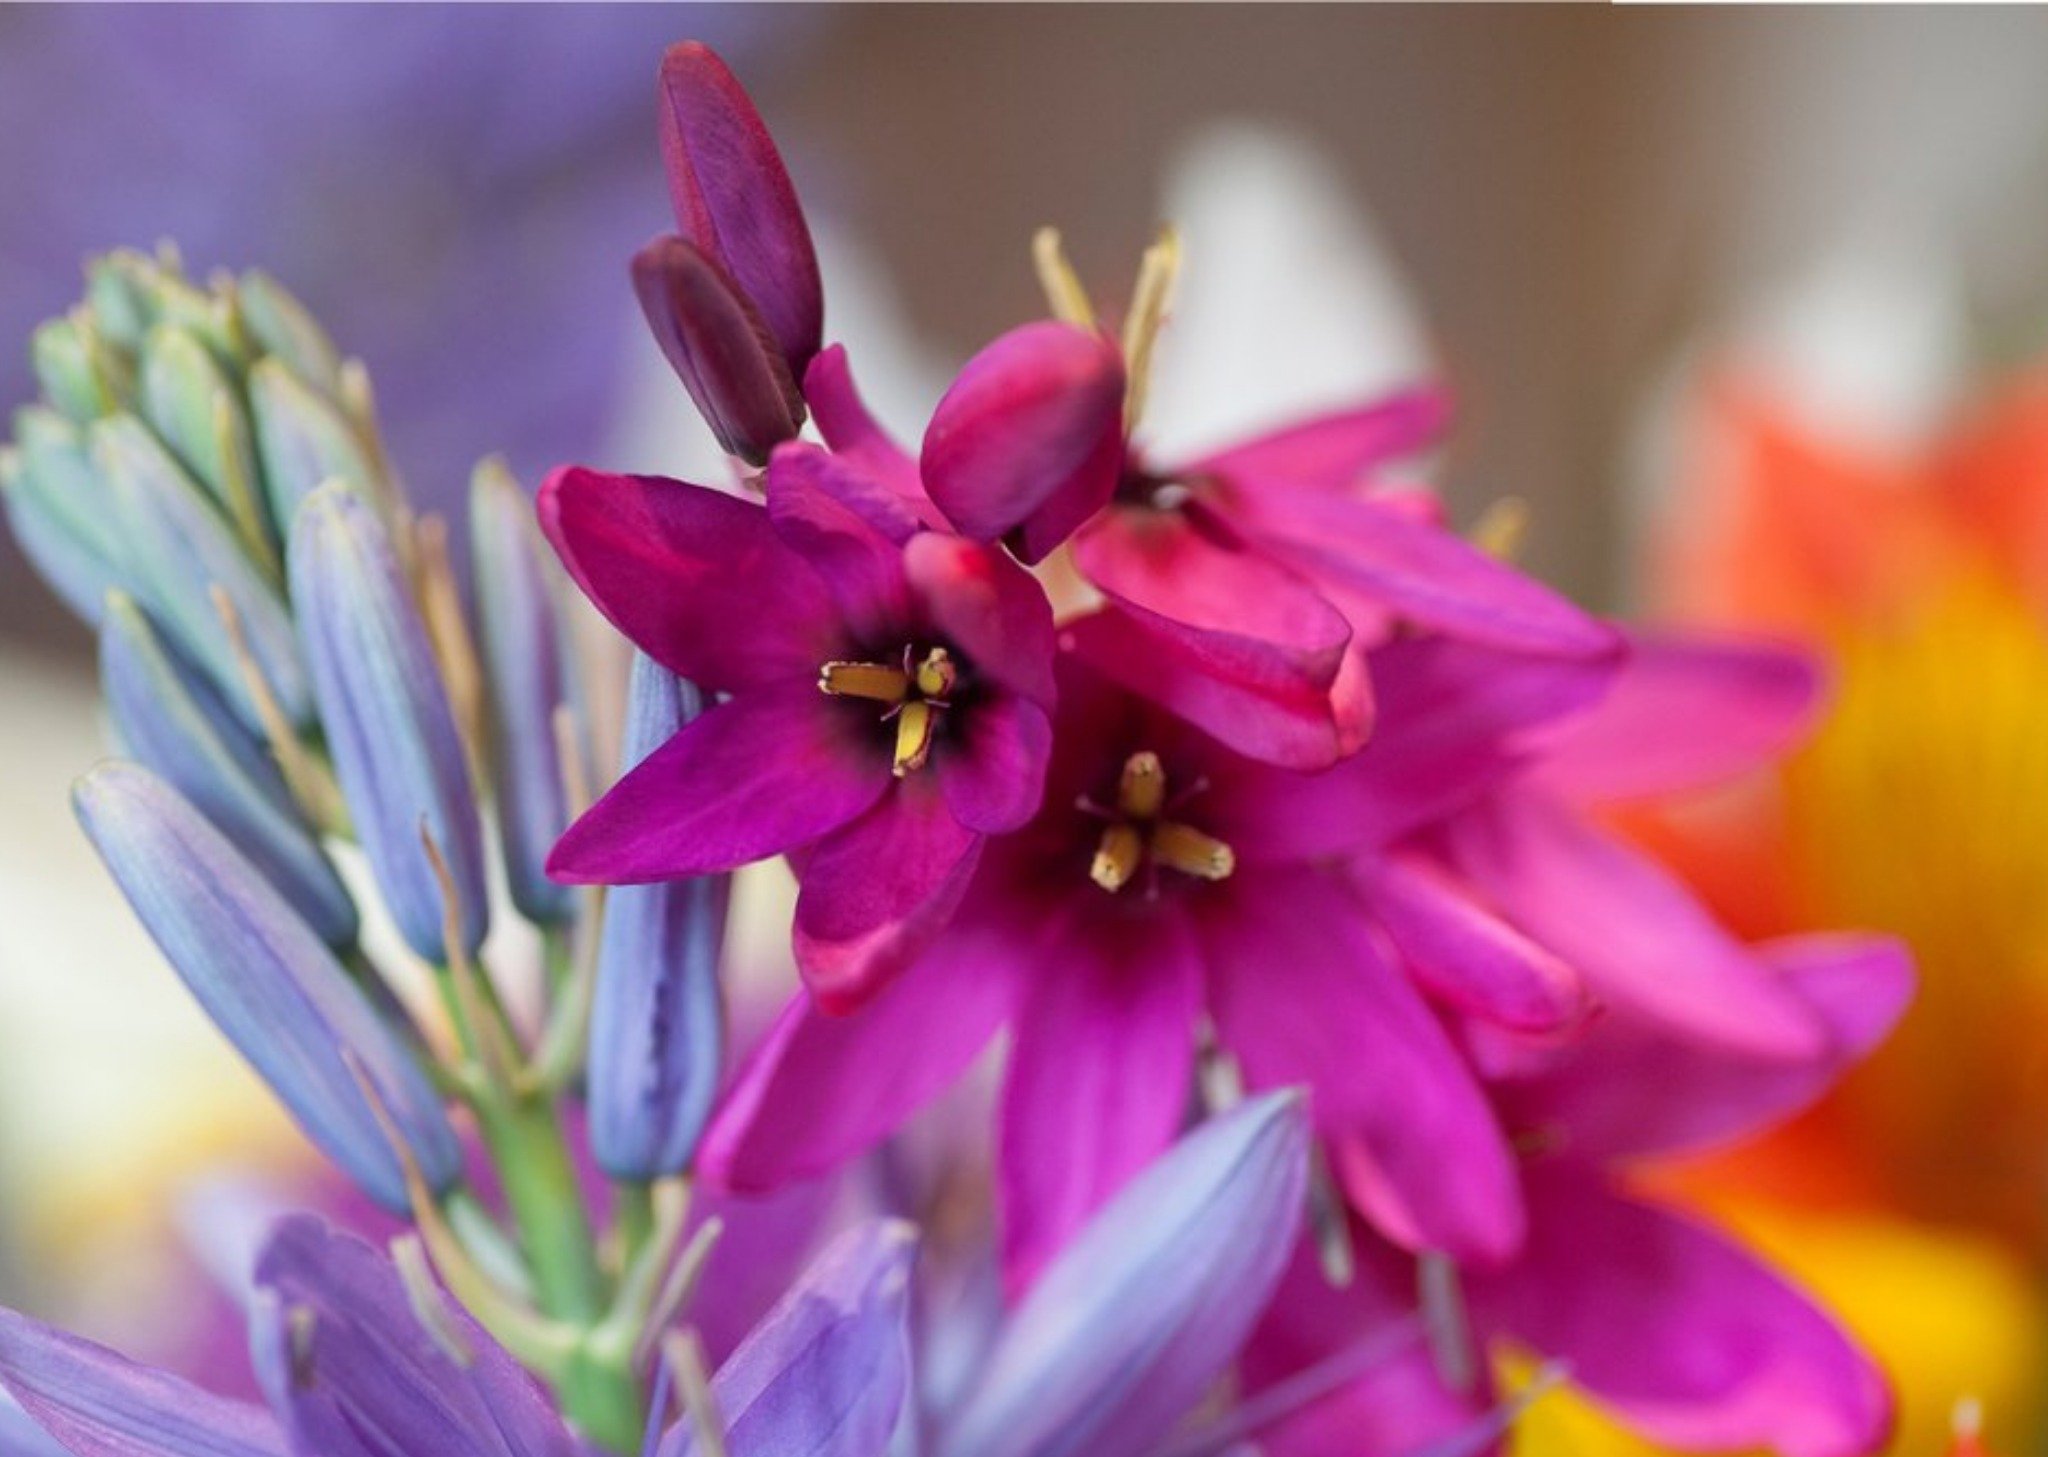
x=1256 y=810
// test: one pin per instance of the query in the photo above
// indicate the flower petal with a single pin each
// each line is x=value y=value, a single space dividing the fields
x=819 y=1089
x=657 y=1020
x=876 y=892
x=826 y=511
x=1302 y=995
x=348 y=1363
x=989 y=608
x=99 y=1404
x=719 y=348
x=734 y=200
x=1101 y=1067
x=1294 y=726
x=1462 y=953
x=1630 y=1088
x=1686 y=711
x=1224 y=609
x=1638 y=938
x=1336 y=451
x=1029 y=438
x=1425 y=573
x=826 y=1372
x=696 y=578
x=842 y=417
x=1680 y=1332
x=777 y=767
x=993 y=770
x=1132 y=1324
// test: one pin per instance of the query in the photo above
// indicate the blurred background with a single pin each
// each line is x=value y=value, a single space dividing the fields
x=1743 y=304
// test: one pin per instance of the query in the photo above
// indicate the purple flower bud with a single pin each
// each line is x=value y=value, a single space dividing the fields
x=1136 y=1319
x=268 y=982
x=520 y=635
x=170 y=718
x=180 y=549
x=719 y=348
x=657 y=1026
x=734 y=200
x=397 y=753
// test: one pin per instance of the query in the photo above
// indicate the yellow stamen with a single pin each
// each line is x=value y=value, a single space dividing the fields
x=914 y=727
x=1141 y=788
x=1502 y=528
x=1142 y=323
x=1117 y=857
x=936 y=675
x=877 y=681
x=1063 y=290
x=1179 y=847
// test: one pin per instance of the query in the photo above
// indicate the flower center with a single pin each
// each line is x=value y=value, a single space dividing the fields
x=1140 y=831
x=914 y=694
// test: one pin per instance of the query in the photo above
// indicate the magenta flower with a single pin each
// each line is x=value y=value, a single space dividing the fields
x=1167 y=883
x=1678 y=1331
x=1249 y=587
x=886 y=700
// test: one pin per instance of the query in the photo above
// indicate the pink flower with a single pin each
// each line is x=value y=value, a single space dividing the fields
x=1247 y=588
x=886 y=700
x=1170 y=884
x=1677 y=1330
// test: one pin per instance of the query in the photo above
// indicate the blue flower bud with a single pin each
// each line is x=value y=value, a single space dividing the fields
x=397 y=753
x=172 y=720
x=80 y=375
x=180 y=549
x=269 y=983
x=304 y=441
x=657 y=1026
x=1135 y=1320
x=74 y=567
x=520 y=635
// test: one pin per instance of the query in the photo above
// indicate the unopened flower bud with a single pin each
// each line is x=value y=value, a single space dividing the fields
x=270 y=984
x=282 y=327
x=187 y=397
x=390 y=729
x=79 y=374
x=171 y=719
x=657 y=1024
x=520 y=635
x=304 y=441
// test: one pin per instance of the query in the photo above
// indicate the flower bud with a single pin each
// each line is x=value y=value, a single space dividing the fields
x=390 y=729
x=719 y=348
x=304 y=441
x=282 y=327
x=54 y=506
x=117 y=291
x=1143 y=1311
x=79 y=374
x=269 y=983
x=521 y=639
x=172 y=720
x=180 y=548
x=187 y=397
x=657 y=1024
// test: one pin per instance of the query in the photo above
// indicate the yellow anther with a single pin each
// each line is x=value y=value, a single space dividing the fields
x=936 y=675
x=914 y=727
x=1063 y=290
x=1147 y=313
x=1117 y=857
x=1141 y=788
x=1502 y=528
x=1178 y=847
x=877 y=681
